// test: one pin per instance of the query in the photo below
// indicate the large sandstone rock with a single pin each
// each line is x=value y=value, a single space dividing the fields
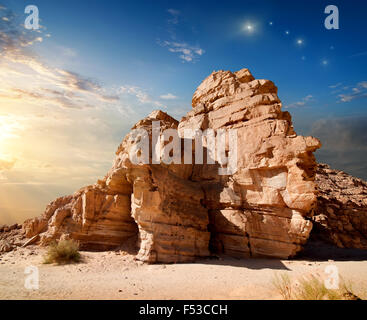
x=158 y=202
x=262 y=209
x=184 y=211
x=341 y=214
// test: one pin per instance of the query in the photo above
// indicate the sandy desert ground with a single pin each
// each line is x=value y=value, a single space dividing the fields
x=116 y=275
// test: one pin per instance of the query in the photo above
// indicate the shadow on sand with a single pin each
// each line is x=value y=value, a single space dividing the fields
x=316 y=250
x=249 y=263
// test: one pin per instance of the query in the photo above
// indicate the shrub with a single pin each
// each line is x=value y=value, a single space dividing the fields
x=312 y=288
x=283 y=285
x=63 y=252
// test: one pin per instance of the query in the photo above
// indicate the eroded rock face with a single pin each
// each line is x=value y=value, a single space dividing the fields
x=158 y=202
x=184 y=211
x=341 y=214
x=11 y=237
x=261 y=209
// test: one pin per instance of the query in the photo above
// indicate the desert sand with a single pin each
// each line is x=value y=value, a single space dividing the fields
x=117 y=275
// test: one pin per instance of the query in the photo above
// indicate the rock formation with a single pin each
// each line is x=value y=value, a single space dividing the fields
x=182 y=211
x=157 y=202
x=341 y=214
x=260 y=210
x=10 y=237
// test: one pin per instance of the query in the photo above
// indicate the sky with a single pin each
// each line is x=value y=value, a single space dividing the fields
x=71 y=90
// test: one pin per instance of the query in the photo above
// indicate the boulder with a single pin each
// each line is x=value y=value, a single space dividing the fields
x=5 y=246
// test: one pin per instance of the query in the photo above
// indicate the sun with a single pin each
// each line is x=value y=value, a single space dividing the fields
x=9 y=129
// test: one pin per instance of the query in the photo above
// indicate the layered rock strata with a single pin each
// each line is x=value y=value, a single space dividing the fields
x=262 y=209
x=183 y=211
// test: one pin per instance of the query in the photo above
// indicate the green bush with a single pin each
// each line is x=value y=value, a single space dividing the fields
x=63 y=252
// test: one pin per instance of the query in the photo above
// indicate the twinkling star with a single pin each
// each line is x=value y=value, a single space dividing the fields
x=249 y=28
x=300 y=42
x=287 y=32
x=271 y=23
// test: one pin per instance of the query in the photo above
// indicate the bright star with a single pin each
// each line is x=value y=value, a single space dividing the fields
x=271 y=23
x=249 y=28
x=300 y=42
x=325 y=62
x=287 y=32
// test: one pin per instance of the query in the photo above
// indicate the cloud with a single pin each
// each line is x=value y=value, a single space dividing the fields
x=168 y=96
x=344 y=143
x=174 y=16
x=13 y=38
x=358 y=91
x=304 y=102
x=140 y=94
x=55 y=122
x=335 y=85
x=6 y=164
x=187 y=53
x=68 y=52
x=47 y=85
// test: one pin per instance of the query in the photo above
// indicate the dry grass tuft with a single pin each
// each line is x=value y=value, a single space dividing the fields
x=63 y=252
x=312 y=288
x=283 y=285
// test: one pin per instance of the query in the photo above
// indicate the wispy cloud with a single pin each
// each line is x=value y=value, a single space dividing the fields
x=13 y=38
x=55 y=122
x=174 y=16
x=140 y=94
x=68 y=52
x=358 y=91
x=69 y=89
x=303 y=102
x=168 y=96
x=187 y=53
x=6 y=164
x=337 y=85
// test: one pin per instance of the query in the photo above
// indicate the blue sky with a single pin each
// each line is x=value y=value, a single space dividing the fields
x=96 y=67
